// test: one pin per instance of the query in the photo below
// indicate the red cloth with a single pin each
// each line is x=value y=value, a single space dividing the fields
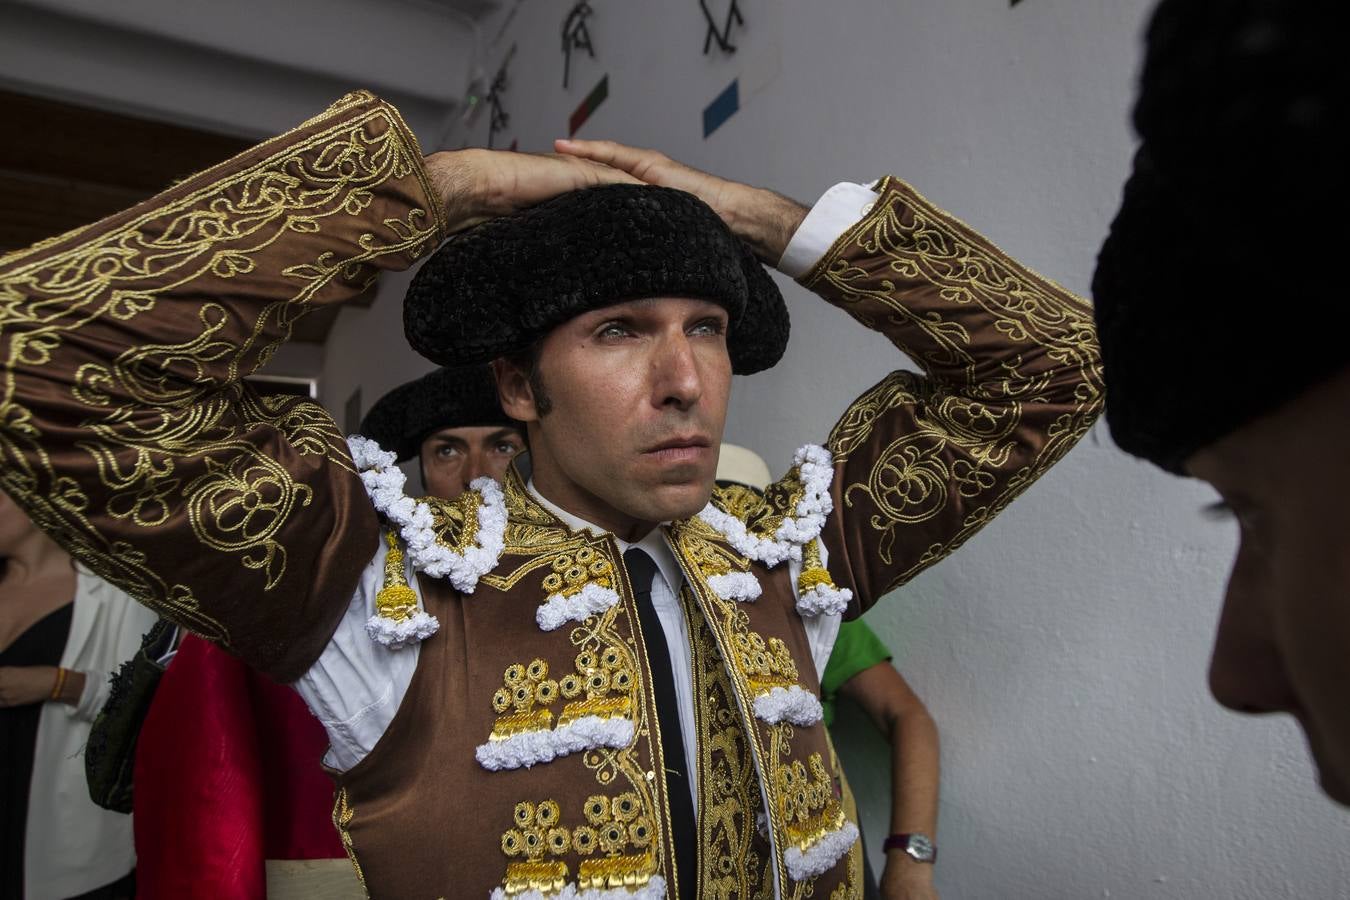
x=227 y=776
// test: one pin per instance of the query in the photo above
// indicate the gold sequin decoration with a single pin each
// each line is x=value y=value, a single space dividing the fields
x=766 y=664
x=600 y=686
x=806 y=802
x=523 y=687
x=573 y=571
x=617 y=827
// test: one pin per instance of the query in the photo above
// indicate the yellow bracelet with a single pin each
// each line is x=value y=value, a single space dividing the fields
x=60 y=682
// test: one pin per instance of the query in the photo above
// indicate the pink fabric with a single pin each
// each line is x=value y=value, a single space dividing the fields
x=227 y=776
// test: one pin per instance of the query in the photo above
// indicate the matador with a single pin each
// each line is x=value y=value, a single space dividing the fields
x=599 y=679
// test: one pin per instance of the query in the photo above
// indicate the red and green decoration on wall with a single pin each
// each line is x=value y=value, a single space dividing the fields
x=588 y=106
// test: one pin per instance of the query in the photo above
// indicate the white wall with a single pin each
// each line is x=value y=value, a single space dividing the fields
x=1063 y=651
x=251 y=68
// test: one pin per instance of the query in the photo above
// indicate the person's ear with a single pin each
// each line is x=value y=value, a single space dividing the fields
x=514 y=390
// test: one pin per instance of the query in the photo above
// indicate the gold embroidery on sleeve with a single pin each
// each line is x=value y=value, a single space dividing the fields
x=181 y=404
x=962 y=455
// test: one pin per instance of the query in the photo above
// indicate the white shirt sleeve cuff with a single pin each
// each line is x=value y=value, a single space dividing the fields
x=837 y=210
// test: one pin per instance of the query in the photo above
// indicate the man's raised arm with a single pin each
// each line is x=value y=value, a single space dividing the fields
x=1011 y=370
x=125 y=429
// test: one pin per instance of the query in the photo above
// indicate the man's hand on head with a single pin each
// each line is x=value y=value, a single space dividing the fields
x=476 y=185
x=764 y=220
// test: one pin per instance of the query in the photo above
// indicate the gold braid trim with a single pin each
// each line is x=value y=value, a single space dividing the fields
x=343 y=814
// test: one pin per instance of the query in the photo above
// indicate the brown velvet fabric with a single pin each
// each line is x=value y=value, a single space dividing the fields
x=424 y=818
x=1011 y=379
x=125 y=431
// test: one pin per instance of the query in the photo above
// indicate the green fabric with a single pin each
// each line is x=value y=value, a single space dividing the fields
x=857 y=648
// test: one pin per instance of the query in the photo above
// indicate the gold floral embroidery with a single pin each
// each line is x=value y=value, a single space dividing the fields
x=806 y=802
x=851 y=888
x=851 y=431
x=600 y=685
x=455 y=521
x=532 y=534
x=766 y=664
x=167 y=428
x=514 y=702
x=607 y=679
x=962 y=450
x=617 y=827
x=573 y=571
x=726 y=620
x=536 y=833
x=734 y=858
x=710 y=558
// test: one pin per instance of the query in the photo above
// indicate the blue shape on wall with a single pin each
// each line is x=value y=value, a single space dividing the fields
x=721 y=109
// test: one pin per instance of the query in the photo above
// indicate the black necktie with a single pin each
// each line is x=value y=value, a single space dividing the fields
x=641 y=571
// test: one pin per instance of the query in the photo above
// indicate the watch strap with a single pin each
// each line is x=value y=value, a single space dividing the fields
x=905 y=842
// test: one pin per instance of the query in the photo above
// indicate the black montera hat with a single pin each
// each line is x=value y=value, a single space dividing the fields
x=445 y=398
x=498 y=288
x=1219 y=293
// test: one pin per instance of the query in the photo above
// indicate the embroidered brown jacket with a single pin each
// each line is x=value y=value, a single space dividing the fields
x=126 y=432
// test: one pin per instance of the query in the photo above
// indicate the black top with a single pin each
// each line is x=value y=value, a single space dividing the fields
x=41 y=645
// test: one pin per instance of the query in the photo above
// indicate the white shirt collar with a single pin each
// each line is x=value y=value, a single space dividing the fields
x=655 y=543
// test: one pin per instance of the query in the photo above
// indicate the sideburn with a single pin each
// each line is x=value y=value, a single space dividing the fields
x=528 y=362
x=543 y=404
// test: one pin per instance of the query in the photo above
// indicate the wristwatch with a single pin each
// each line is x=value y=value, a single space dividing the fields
x=920 y=847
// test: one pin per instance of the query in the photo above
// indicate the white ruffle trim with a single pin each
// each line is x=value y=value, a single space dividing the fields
x=821 y=856
x=654 y=889
x=558 y=610
x=815 y=467
x=789 y=704
x=396 y=635
x=384 y=483
x=742 y=586
x=531 y=747
x=824 y=599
